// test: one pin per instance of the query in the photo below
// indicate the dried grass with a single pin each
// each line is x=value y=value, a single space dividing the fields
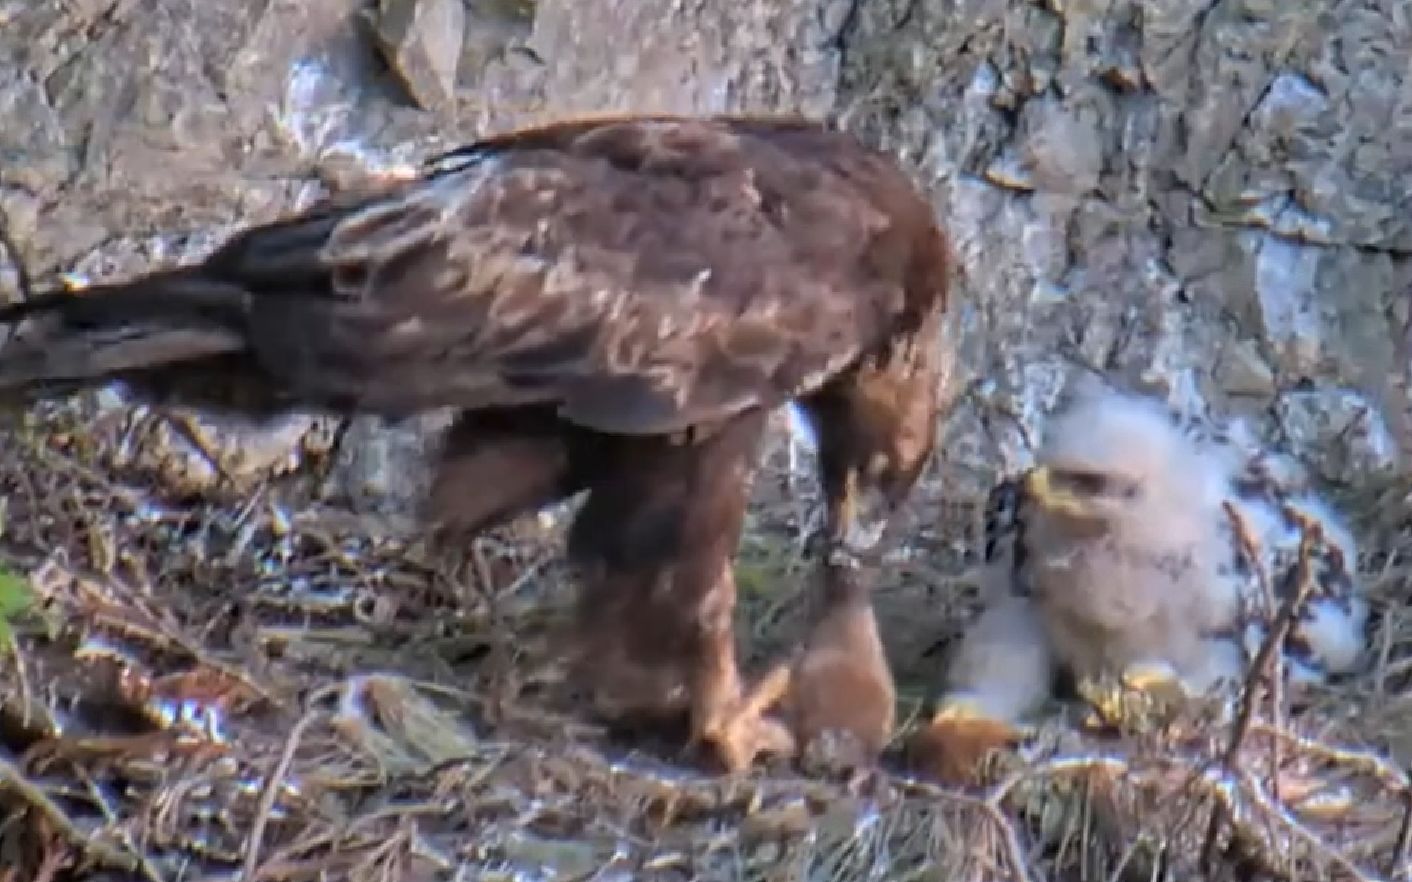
x=234 y=691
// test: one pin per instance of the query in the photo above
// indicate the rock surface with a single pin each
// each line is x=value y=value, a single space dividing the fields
x=421 y=41
x=1212 y=199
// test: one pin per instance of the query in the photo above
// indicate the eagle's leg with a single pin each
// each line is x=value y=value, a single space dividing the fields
x=875 y=428
x=495 y=465
x=654 y=543
x=723 y=714
x=498 y=464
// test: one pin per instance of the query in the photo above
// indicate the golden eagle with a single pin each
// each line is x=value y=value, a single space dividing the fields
x=611 y=305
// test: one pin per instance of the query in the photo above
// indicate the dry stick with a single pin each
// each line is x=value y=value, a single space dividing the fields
x=187 y=433
x=1292 y=825
x=266 y=804
x=1310 y=533
x=1010 y=837
x=1400 y=851
x=1249 y=548
x=1362 y=761
x=335 y=450
x=105 y=854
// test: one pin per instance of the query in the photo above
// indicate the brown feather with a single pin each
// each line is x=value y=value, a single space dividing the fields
x=646 y=275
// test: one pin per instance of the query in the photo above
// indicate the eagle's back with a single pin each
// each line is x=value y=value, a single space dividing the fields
x=645 y=273
x=641 y=275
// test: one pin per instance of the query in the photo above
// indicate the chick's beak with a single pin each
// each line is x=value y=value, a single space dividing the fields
x=1040 y=490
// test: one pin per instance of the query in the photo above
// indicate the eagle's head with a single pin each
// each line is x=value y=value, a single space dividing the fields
x=1117 y=464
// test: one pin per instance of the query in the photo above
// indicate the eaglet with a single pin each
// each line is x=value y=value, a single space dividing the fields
x=1146 y=551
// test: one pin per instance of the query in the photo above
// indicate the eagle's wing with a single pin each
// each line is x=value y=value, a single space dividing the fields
x=644 y=274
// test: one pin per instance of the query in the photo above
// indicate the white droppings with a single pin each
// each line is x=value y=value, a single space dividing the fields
x=316 y=116
x=311 y=114
x=1284 y=286
x=985 y=82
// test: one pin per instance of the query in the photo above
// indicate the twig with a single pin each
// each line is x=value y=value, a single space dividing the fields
x=270 y=792
x=1311 y=533
x=1403 y=849
x=1249 y=549
x=186 y=432
x=1258 y=795
x=1122 y=863
x=1277 y=713
x=104 y=853
x=1363 y=761
x=335 y=449
x=1014 y=852
x=10 y=646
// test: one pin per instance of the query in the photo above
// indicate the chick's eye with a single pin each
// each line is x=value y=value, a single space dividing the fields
x=1087 y=483
x=1096 y=484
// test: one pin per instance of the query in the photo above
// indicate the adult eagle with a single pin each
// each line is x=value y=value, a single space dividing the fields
x=613 y=305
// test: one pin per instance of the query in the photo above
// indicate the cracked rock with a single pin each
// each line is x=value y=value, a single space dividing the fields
x=421 y=42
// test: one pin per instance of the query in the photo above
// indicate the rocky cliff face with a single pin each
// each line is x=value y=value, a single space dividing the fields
x=1211 y=199
x=1207 y=197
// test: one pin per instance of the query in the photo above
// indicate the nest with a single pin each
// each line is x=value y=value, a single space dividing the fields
x=263 y=688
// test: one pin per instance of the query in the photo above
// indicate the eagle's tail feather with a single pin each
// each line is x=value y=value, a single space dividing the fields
x=70 y=339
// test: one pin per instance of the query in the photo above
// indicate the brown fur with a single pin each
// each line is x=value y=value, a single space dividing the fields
x=842 y=701
x=613 y=304
x=954 y=750
x=999 y=673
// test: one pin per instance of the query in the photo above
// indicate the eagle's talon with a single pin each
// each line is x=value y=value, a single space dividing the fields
x=739 y=731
